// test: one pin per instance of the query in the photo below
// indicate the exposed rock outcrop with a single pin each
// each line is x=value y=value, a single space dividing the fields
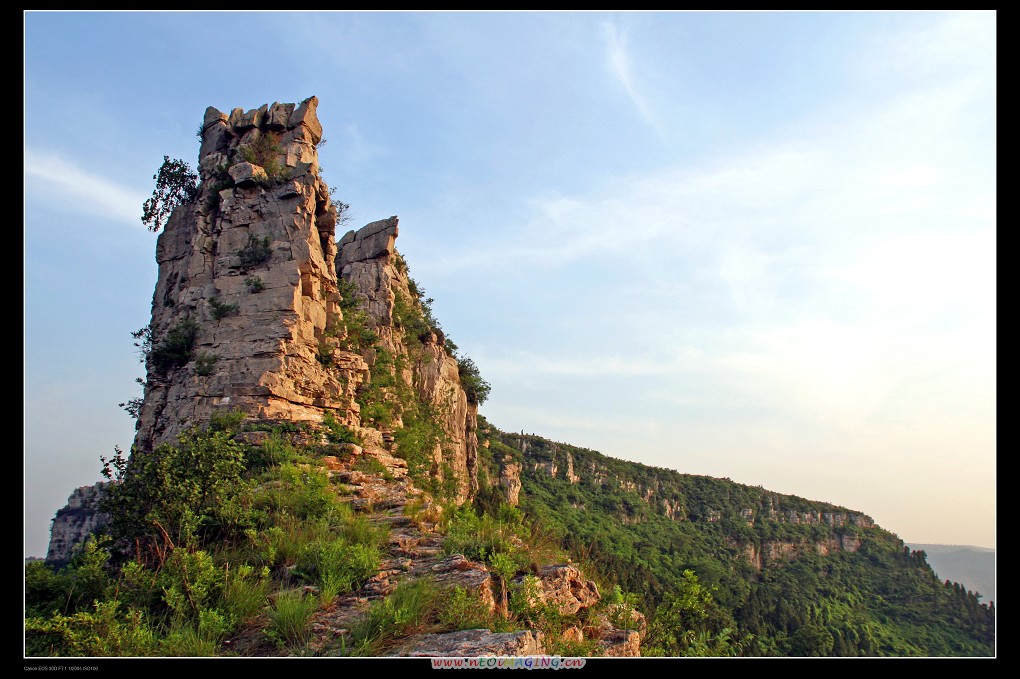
x=247 y=286
x=474 y=643
x=75 y=522
x=565 y=588
x=621 y=643
x=772 y=551
x=246 y=309
x=510 y=480
x=368 y=259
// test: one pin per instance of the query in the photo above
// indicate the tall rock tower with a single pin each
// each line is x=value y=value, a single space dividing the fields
x=247 y=286
x=247 y=316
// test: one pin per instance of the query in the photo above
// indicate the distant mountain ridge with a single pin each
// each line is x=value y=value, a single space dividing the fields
x=971 y=566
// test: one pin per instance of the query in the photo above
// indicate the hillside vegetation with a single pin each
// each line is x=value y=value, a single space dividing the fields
x=779 y=585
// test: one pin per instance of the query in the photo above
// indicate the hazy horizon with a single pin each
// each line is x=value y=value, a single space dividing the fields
x=749 y=245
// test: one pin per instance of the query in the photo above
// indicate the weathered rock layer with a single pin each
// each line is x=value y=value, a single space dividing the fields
x=249 y=267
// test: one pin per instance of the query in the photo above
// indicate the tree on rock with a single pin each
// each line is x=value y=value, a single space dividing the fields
x=176 y=185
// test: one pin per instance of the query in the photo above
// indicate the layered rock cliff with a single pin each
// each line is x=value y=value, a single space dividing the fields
x=246 y=273
x=251 y=270
x=378 y=274
x=750 y=526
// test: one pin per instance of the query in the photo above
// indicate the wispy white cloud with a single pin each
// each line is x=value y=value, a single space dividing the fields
x=844 y=275
x=618 y=63
x=678 y=360
x=60 y=182
x=963 y=41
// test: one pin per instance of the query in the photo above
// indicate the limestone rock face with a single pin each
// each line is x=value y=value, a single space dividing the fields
x=565 y=588
x=471 y=576
x=249 y=266
x=621 y=644
x=475 y=642
x=510 y=480
x=367 y=243
x=786 y=550
x=368 y=259
x=75 y=522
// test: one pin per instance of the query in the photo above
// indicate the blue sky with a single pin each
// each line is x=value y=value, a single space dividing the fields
x=752 y=245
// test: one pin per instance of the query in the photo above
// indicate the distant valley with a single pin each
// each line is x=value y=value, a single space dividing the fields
x=973 y=567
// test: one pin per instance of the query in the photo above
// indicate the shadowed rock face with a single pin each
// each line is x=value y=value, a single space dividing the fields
x=75 y=522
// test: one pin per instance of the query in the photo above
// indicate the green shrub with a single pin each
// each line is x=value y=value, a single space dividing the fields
x=586 y=648
x=339 y=433
x=265 y=151
x=371 y=465
x=324 y=354
x=103 y=631
x=348 y=295
x=289 y=618
x=228 y=421
x=504 y=567
x=188 y=641
x=174 y=348
x=357 y=528
x=185 y=493
x=244 y=593
x=356 y=335
x=190 y=582
x=337 y=566
x=302 y=492
x=255 y=284
x=417 y=439
x=274 y=452
x=411 y=608
x=399 y=262
x=479 y=538
x=257 y=251
x=413 y=317
x=221 y=309
x=74 y=588
x=476 y=388
x=176 y=185
x=205 y=363
x=460 y=610
x=88 y=573
x=45 y=589
x=139 y=587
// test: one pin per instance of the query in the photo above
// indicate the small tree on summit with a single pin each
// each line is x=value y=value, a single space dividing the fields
x=176 y=185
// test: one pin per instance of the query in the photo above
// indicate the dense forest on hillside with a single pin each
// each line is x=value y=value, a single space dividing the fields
x=778 y=585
